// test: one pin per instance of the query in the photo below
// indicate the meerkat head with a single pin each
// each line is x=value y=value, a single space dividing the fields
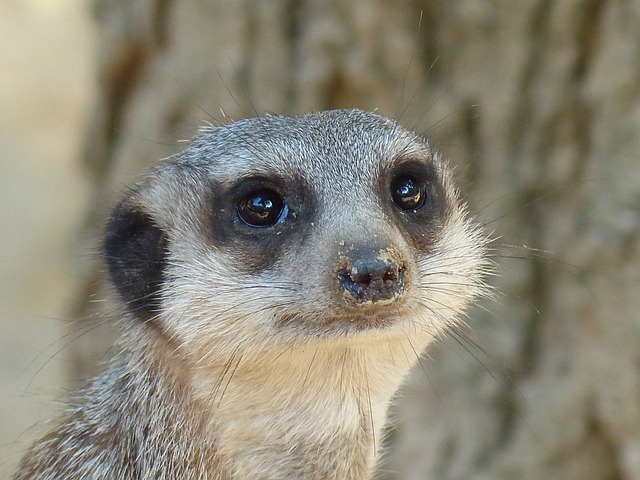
x=278 y=231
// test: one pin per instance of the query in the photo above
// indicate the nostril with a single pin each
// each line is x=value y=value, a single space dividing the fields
x=391 y=275
x=364 y=281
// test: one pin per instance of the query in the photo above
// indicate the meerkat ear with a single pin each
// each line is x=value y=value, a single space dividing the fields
x=135 y=249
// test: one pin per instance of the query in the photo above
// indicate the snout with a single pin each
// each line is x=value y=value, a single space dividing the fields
x=369 y=276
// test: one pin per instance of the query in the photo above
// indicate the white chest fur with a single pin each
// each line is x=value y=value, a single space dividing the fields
x=318 y=410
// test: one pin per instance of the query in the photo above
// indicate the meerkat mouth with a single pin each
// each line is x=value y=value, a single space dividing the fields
x=342 y=325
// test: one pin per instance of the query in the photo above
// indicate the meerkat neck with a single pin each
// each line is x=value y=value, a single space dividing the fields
x=314 y=410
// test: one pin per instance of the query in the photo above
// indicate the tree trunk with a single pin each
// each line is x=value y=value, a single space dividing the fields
x=538 y=105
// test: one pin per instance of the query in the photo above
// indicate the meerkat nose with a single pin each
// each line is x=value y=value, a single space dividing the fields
x=367 y=276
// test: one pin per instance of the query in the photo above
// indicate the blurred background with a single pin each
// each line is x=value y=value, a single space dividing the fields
x=537 y=105
x=47 y=51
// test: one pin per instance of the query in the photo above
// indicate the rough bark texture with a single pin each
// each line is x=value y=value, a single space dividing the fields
x=538 y=102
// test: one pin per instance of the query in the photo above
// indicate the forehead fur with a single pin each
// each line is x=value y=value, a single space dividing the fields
x=322 y=147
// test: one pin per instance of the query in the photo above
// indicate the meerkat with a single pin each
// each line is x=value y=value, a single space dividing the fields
x=278 y=280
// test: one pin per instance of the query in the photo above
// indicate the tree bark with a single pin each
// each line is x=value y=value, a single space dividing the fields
x=537 y=103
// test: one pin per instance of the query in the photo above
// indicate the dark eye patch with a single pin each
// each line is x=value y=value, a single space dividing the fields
x=253 y=219
x=416 y=198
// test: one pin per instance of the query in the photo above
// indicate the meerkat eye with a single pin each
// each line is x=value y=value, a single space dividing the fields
x=262 y=208
x=408 y=192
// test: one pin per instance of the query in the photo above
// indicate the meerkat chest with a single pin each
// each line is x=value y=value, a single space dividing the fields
x=277 y=447
x=307 y=422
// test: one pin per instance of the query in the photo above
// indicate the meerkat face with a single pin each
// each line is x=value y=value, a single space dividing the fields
x=277 y=231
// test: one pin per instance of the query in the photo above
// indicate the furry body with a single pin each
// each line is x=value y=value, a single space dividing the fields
x=271 y=351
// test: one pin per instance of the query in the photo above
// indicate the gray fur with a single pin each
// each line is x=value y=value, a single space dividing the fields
x=243 y=359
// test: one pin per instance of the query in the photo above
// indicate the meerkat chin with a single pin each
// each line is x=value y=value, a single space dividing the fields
x=277 y=279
